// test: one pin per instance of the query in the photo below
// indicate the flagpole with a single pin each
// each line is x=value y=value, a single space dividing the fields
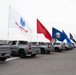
x=8 y=24
x=37 y=38
x=54 y=40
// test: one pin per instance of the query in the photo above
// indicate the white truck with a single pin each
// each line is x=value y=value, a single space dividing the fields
x=24 y=48
x=46 y=47
x=58 y=47
x=67 y=46
x=4 y=51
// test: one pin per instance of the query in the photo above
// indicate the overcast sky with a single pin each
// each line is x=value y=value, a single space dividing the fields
x=60 y=14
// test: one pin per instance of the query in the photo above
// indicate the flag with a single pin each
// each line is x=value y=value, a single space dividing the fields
x=71 y=37
x=17 y=21
x=56 y=34
x=66 y=37
x=42 y=30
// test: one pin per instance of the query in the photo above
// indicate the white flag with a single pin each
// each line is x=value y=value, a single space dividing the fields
x=17 y=21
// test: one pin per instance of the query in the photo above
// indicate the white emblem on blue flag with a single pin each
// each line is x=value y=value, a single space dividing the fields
x=58 y=35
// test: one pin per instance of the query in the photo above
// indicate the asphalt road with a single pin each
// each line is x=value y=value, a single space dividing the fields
x=63 y=63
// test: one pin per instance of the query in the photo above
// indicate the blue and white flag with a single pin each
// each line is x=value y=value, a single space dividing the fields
x=57 y=34
x=16 y=21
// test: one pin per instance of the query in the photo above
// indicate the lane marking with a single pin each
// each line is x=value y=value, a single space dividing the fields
x=12 y=58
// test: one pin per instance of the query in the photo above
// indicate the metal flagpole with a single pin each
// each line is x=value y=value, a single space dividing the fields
x=8 y=24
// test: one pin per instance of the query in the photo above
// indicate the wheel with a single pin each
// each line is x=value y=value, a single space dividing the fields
x=60 y=51
x=3 y=59
x=48 y=52
x=56 y=49
x=42 y=51
x=66 y=48
x=22 y=54
x=33 y=55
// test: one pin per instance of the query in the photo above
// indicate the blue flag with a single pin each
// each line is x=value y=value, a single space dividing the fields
x=57 y=34
x=66 y=37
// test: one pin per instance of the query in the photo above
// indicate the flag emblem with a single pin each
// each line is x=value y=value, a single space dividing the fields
x=57 y=35
x=22 y=22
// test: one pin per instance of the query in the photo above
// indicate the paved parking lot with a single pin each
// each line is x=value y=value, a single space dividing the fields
x=62 y=63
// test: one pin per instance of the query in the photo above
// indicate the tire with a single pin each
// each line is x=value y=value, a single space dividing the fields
x=33 y=55
x=3 y=59
x=22 y=54
x=42 y=51
x=56 y=49
x=66 y=48
x=48 y=52
x=60 y=51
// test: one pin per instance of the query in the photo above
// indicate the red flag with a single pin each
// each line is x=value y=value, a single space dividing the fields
x=41 y=29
